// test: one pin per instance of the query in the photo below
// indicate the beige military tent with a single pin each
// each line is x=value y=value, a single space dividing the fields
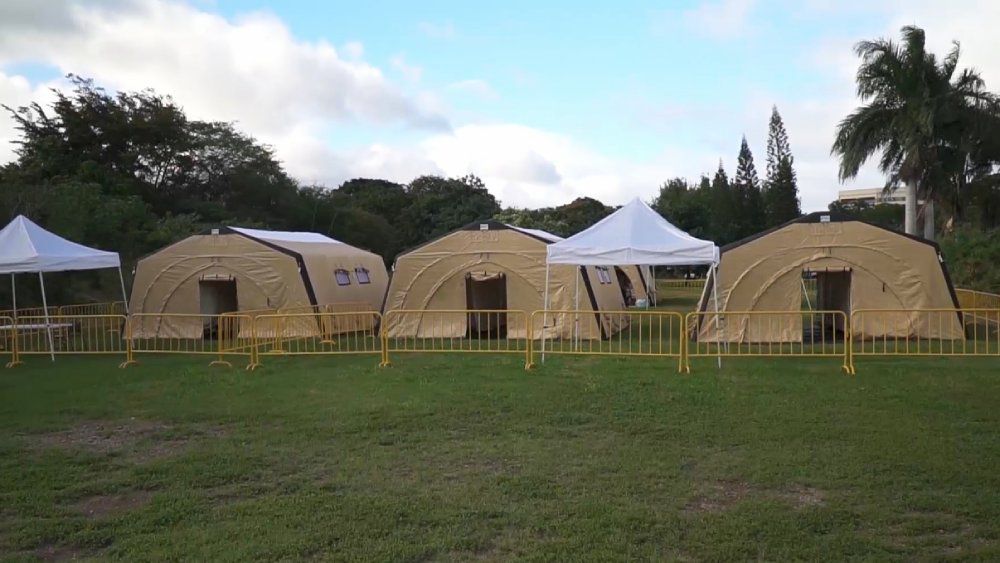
x=251 y=271
x=490 y=265
x=632 y=280
x=854 y=265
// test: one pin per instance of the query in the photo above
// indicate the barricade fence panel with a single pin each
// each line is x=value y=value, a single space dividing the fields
x=460 y=330
x=219 y=335
x=109 y=308
x=317 y=334
x=926 y=332
x=798 y=334
x=71 y=334
x=621 y=333
x=8 y=341
x=972 y=299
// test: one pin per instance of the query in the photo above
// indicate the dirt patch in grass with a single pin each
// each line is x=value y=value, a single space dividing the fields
x=141 y=440
x=104 y=506
x=51 y=552
x=721 y=496
x=101 y=437
x=802 y=496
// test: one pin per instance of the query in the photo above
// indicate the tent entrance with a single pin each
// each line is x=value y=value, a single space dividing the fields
x=216 y=296
x=827 y=290
x=624 y=282
x=486 y=299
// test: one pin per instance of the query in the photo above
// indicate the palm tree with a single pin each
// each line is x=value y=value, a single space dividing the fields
x=917 y=113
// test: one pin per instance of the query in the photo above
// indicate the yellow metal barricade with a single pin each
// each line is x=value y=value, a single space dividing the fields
x=210 y=335
x=456 y=331
x=926 y=332
x=71 y=334
x=647 y=333
x=108 y=308
x=798 y=334
x=696 y=283
x=308 y=334
x=972 y=299
x=8 y=340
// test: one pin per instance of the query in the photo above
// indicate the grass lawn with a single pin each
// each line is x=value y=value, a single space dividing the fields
x=458 y=457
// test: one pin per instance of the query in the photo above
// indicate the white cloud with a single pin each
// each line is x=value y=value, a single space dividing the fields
x=477 y=87
x=250 y=70
x=16 y=91
x=410 y=72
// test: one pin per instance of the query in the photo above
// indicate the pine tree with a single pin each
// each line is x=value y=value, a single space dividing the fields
x=723 y=208
x=746 y=191
x=781 y=194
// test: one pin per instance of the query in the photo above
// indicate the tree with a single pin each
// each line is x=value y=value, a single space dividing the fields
x=916 y=111
x=746 y=193
x=781 y=194
x=440 y=205
x=722 y=223
x=685 y=206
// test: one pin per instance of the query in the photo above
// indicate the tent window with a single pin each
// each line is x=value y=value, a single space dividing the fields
x=343 y=277
x=362 y=275
x=603 y=275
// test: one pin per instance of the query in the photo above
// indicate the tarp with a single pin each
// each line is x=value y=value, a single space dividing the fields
x=633 y=235
x=26 y=247
x=285 y=236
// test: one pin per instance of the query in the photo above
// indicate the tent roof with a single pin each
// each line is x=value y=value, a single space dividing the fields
x=279 y=237
x=26 y=247
x=538 y=233
x=635 y=234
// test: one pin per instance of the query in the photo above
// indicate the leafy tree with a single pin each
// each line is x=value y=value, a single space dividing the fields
x=440 y=205
x=886 y=215
x=746 y=192
x=973 y=256
x=686 y=206
x=781 y=194
x=916 y=116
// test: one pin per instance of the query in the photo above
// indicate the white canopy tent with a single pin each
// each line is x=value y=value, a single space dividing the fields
x=635 y=235
x=27 y=248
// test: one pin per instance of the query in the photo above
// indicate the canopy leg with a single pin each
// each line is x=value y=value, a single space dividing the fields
x=545 y=309
x=121 y=279
x=48 y=325
x=576 y=314
x=13 y=295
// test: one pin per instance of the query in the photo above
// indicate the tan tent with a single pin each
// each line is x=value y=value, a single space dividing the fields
x=489 y=265
x=633 y=283
x=854 y=265
x=255 y=272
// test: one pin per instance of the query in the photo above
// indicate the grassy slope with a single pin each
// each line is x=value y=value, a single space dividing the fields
x=472 y=457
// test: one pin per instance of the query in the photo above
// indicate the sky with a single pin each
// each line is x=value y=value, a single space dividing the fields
x=546 y=101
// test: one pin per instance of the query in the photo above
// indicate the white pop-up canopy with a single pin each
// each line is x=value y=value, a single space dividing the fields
x=27 y=248
x=635 y=235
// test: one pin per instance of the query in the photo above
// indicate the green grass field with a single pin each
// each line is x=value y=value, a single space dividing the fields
x=469 y=457
x=460 y=457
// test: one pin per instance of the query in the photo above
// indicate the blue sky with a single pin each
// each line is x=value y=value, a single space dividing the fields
x=546 y=101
